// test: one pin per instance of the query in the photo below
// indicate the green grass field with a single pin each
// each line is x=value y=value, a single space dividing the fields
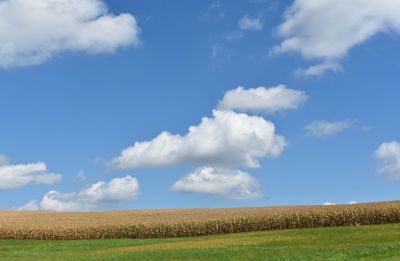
x=380 y=242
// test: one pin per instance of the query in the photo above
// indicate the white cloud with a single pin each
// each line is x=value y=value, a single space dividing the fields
x=32 y=32
x=227 y=139
x=4 y=160
x=233 y=184
x=323 y=129
x=248 y=23
x=334 y=204
x=32 y=205
x=319 y=69
x=100 y=194
x=262 y=99
x=328 y=29
x=389 y=154
x=329 y=204
x=17 y=176
x=220 y=144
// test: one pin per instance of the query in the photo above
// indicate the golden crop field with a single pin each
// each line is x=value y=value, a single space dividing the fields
x=189 y=222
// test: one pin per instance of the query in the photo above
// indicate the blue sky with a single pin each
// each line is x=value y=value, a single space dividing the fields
x=77 y=106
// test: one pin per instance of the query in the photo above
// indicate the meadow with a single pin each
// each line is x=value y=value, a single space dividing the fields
x=188 y=222
x=377 y=242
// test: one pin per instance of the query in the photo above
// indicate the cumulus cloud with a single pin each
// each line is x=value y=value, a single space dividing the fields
x=248 y=23
x=100 y=194
x=328 y=29
x=17 y=176
x=233 y=184
x=227 y=139
x=262 y=99
x=220 y=144
x=32 y=32
x=389 y=155
x=323 y=129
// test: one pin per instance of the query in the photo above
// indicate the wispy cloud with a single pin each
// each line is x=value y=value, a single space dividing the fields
x=80 y=177
x=324 y=129
x=319 y=69
x=214 y=11
x=248 y=23
x=4 y=160
x=334 y=204
x=218 y=52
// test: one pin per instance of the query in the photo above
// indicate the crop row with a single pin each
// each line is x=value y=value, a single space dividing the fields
x=320 y=218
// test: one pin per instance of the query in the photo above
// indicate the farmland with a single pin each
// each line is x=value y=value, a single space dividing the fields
x=189 y=222
x=380 y=242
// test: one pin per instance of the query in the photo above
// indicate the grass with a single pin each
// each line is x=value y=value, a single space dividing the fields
x=379 y=242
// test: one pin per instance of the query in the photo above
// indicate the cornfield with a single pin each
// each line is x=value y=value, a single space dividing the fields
x=151 y=224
